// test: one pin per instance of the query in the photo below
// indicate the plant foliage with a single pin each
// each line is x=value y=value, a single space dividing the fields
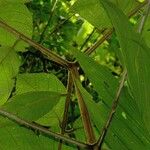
x=74 y=74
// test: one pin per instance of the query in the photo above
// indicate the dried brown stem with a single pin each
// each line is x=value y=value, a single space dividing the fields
x=66 y=110
x=83 y=110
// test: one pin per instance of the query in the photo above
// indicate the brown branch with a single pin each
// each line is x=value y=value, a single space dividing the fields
x=44 y=50
x=113 y=111
x=108 y=34
x=66 y=110
x=83 y=109
x=41 y=129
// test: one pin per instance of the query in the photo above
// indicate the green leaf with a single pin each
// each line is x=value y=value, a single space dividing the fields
x=100 y=77
x=93 y=11
x=9 y=67
x=84 y=31
x=146 y=31
x=136 y=57
x=127 y=118
x=32 y=105
x=43 y=82
x=38 y=82
x=20 y=18
x=15 y=137
x=14 y=1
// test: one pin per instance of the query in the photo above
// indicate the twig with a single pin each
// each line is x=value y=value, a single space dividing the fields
x=49 y=20
x=108 y=34
x=59 y=25
x=136 y=9
x=66 y=110
x=99 y=42
x=83 y=109
x=44 y=50
x=41 y=129
x=113 y=110
x=87 y=39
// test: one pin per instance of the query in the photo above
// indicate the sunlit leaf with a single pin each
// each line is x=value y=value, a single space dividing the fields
x=94 y=12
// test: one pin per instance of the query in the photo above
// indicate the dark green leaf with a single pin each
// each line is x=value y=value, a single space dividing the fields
x=43 y=82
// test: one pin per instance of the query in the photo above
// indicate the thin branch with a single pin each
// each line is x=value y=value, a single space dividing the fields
x=49 y=20
x=113 y=111
x=83 y=109
x=144 y=18
x=108 y=34
x=44 y=50
x=136 y=9
x=99 y=42
x=59 y=25
x=66 y=110
x=41 y=129
x=87 y=39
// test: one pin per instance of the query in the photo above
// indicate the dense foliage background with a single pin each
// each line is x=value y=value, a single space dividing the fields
x=74 y=67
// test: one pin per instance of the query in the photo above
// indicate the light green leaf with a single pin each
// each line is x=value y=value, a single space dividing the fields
x=17 y=15
x=43 y=82
x=93 y=11
x=32 y=105
x=9 y=67
x=83 y=32
x=146 y=31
